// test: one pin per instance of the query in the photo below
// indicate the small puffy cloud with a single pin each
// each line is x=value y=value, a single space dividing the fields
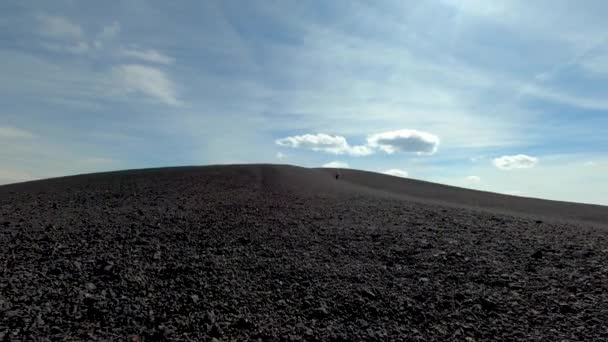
x=151 y=56
x=281 y=155
x=316 y=142
x=13 y=132
x=405 y=140
x=389 y=142
x=396 y=172
x=473 y=179
x=518 y=161
x=590 y=164
x=59 y=27
x=334 y=144
x=146 y=80
x=336 y=165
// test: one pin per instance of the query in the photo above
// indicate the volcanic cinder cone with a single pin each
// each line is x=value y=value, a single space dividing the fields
x=282 y=253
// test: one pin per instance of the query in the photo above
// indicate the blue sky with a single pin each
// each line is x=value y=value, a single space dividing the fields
x=510 y=96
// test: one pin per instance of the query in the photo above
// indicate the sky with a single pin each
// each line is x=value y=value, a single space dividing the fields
x=502 y=96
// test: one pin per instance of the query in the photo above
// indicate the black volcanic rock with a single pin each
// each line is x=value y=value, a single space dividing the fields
x=280 y=253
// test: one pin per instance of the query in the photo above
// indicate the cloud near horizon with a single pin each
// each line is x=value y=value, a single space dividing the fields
x=473 y=179
x=518 y=161
x=58 y=27
x=405 y=140
x=150 y=55
x=336 y=164
x=396 y=173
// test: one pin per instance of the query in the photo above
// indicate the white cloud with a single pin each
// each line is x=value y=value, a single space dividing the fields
x=147 y=81
x=473 y=179
x=150 y=55
x=280 y=155
x=336 y=164
x=13 y=132
x=519 y=161
x=335 y=144
x=396 y=172
x=405 y=140
x=59 y=27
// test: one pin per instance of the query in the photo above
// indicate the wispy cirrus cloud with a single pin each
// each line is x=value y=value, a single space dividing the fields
x=59 y=27
x=146 y=80
x=575 y=100
x=148 y=55
x=62 y=34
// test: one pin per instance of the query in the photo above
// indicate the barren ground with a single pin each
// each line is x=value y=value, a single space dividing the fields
x=279 y=253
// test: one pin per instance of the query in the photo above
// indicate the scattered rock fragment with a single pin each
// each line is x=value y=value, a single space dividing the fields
x=537 y=255
x=194 y=298
x=368 y=293
x=321 y=312
x=210 y=317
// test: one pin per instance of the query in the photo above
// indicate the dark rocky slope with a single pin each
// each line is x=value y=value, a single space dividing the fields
x=280 y=253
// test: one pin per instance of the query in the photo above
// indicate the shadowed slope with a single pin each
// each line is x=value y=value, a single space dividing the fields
x=292 y=179
x=425 y=191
